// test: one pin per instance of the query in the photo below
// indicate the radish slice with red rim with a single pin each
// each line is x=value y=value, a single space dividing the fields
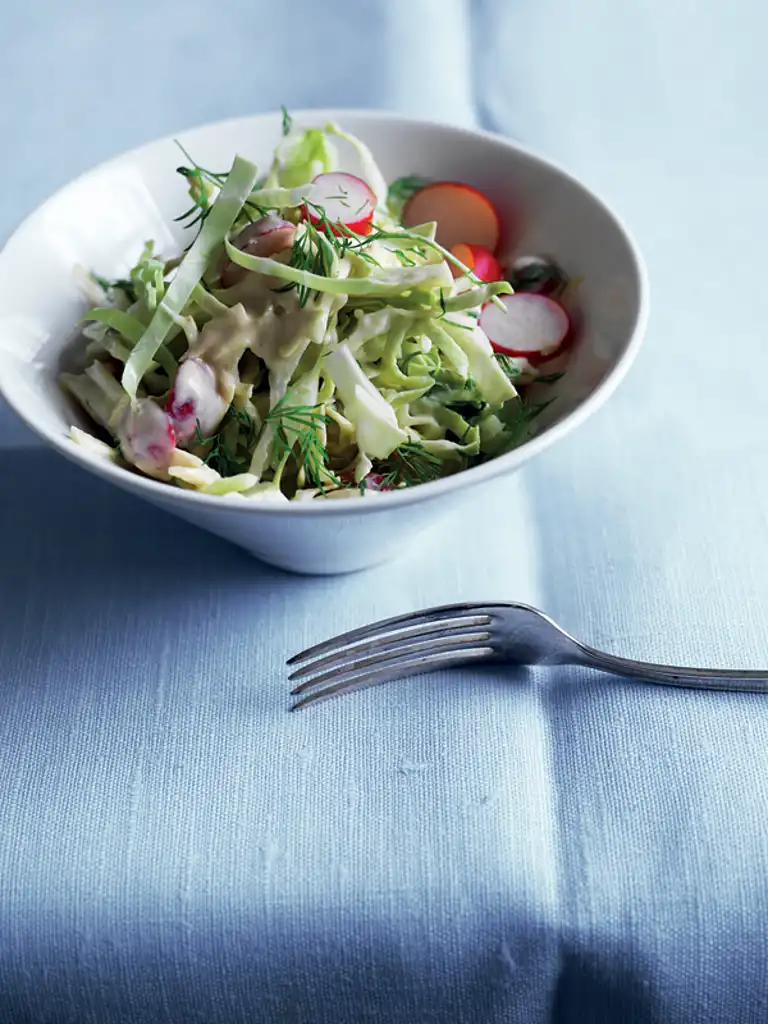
x=530 y=325
x=462 y=214
x=344 y=199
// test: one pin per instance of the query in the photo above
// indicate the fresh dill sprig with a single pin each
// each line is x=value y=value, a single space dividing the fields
x=405 y=260
x=287 y=122
x=337 y=237
x=218 y=178
x=343 y=198
x=346 y=240
x=513 y=372
x=408 y=465
x=549 y=378
x=226 y=457
x=465 y=399
x=301 y=258
x=124 y=284
x=322 y=239
x=201 y=184
x=312 y=253
x=518 y=417
x=509 y=368
x=307 y=448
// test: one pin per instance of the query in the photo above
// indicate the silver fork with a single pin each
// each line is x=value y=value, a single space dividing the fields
x=463 y=634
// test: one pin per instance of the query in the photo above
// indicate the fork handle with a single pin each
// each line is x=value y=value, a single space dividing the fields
x=669 y=675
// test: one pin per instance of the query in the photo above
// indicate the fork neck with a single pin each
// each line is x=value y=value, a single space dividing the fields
x=671 y=675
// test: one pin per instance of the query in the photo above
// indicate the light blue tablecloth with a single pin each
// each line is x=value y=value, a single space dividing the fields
x=174 y=846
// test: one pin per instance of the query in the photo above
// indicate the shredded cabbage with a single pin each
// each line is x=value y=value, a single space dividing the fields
x=374 y=419
x=339 y=366
x=222 y=215
x=132 y=330
x=301 y=157
x=383 y=282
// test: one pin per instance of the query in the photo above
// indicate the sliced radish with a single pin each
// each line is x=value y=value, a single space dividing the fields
x=147 y=437
x=194 y=402
x=480 y=261
x=264 y=237
x=533 y=326
x=462 y=213
x=345 y=199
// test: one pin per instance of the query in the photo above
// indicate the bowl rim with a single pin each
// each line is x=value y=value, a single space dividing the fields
x=383 y=501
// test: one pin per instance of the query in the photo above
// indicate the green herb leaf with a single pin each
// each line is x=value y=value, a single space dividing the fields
x=231 y=445
x=401 y=190
x=287 y=122
x=305 y=445
x=405 y=260
x=505 y=362
x=224 y=213
x=540 y=275
x=203 y=185
x=408 y=465
x=122 y=283
x=518 y=417
x=312 y=253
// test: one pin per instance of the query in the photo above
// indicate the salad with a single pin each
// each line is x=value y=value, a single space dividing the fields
x=323 y=335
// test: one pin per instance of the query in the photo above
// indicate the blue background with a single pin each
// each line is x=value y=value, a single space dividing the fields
x=498 y=847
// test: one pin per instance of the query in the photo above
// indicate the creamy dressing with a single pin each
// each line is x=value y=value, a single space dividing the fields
x=220 y=346
x=272 y=325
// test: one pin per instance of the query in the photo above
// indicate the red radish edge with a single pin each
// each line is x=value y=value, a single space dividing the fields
x=345 y=198
x=463 y=214
x=533 y=326
x=479 y=260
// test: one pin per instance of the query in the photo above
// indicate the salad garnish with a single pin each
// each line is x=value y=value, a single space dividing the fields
x=322 y=335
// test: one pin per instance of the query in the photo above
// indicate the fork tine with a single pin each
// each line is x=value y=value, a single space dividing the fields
x=399 y=669
x=464 y=641
x=393 y=643
x=442 y=613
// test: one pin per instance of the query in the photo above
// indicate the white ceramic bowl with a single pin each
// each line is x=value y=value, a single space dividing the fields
x=102 y=219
